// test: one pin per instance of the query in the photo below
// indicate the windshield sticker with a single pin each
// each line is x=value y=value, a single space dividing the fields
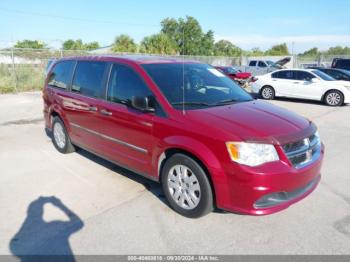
x=216 y=72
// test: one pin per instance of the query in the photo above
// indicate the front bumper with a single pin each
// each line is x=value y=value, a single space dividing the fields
x=267 y=189
x=347 y=97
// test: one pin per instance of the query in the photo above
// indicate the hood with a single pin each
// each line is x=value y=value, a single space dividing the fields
x=243 y=75
x=255 y=121
x=342 y=83
x=281 y=63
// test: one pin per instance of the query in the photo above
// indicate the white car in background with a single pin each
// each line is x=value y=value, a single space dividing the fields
x=304 y=84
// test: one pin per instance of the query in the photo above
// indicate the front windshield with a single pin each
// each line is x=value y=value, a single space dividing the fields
x=195 y=85
x=231 y=70
x=323 y=76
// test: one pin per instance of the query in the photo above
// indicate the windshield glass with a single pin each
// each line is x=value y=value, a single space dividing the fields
x=270 y=63
x=323 y=76
x=231 y=70
x=195 y=85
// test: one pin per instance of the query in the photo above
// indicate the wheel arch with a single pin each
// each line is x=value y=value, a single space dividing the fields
x=168 y=153
x=330 y=90
x=267 y=85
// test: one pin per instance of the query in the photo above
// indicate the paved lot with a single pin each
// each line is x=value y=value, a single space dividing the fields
x=89 y=206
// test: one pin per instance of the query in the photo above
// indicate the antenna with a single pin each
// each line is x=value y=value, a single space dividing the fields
x=183 y=71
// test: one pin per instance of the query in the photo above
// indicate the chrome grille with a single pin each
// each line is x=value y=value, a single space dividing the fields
x=303 y=152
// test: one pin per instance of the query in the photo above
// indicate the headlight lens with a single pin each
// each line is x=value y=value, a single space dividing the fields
x=251 y=154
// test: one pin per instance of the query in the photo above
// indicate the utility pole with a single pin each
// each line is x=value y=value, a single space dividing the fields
x=14 y=69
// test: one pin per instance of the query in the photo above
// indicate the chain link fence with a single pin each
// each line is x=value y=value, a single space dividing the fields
x=24 y=69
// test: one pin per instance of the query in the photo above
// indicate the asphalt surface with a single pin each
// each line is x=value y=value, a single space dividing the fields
x=81 y=204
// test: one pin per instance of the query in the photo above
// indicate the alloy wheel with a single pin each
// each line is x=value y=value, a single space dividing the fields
x=333 y=98
x=267 y=93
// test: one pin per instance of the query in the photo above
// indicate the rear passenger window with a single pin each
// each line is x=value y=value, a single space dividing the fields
x=304 y=76
x=286 y=74
x=89 y=78
x=252 y=63
x=261 y=64
x=61 y=74
x=124 y=83
x=275 y=75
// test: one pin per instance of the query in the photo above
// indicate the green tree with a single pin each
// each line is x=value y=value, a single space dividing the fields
x=124 y=43
x=92 y=45
x=207 y=44
x=278 y=50
x=338 y=50
x=158 y=44
x=313 y=52
x=226 y=48
x=188 y=36
x=79 y=45
x=34 y=44
x=254 y=52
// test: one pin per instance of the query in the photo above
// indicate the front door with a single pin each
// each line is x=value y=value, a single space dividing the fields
x=126 y=132
x=305 y=87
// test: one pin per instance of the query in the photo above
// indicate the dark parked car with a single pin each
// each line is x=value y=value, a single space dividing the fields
x=187 y=126
x=337 y=74
x=341 y=63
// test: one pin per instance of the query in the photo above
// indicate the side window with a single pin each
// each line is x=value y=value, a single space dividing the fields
x=275 y=75
x=124 y=83
x=304 y=76
x=287 y=74
x=89 y=78
x=262 y=64
x=252 y=63
x=61 y=74
x=345 y=63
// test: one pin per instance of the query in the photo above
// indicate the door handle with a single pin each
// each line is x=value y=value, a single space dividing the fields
x=295 y=82
x=106 y=113
x=93 y=108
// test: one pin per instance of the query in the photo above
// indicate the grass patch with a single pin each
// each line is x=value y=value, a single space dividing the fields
x=28 y=77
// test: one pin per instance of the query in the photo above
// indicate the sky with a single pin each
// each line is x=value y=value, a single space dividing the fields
x=302 y=24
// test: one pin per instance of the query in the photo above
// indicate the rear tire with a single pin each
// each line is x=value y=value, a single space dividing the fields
x=187 y=187
x=60 y=138
x=267 y=92
x=334 y=98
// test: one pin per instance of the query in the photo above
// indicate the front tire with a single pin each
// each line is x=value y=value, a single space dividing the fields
x=334 y=98
x=187 y=187
x=60 y=138
x=267 y=92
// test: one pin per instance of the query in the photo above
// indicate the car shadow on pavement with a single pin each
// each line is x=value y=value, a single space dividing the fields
x=40 y=240
x=152 y=186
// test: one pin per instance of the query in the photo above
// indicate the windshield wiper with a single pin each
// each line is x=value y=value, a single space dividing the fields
x=226 y=102
x=191 y=103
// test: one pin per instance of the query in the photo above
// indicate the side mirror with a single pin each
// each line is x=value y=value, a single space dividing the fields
x=315 y=80
x=142 y=103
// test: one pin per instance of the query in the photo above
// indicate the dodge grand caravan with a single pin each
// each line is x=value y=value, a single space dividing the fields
x=187 y=126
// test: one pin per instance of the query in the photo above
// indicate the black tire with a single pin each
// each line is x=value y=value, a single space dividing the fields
x=334 y=98
x=68 y=146
x=267 y=92
x=205 y=204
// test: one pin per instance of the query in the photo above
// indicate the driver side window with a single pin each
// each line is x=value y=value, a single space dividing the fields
x=124 y=83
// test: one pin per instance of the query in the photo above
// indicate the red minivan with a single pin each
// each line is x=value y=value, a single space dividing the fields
x=187 y=126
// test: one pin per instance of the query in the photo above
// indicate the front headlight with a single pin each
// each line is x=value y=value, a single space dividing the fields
x=251 y=154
